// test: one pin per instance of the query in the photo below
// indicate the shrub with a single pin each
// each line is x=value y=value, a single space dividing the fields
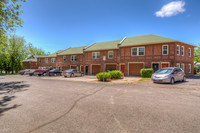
x=103 y=76
x=146 y=72
x=116 y=74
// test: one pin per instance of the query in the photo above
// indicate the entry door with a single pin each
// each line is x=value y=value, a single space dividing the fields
x=155 y=67
x=122 y=68
x=86 y=70
x=165 y=65
x=82 y=69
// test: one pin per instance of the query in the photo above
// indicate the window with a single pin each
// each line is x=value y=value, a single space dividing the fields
x=39 y=60
x=64 y=58
x=138 y=51
x=183 y=67
x=46 y=60
x=95 y=55
x=182 y=50
x=165 y=50
x=134 y=51
x=178 y=65
x=190 y=53
x=110 y=54
x=53 y=60
x=178 y=49
x=190 y=68
x=73 y=58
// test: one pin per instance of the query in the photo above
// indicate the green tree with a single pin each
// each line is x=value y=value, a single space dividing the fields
x=197 y=54
x=34 y=51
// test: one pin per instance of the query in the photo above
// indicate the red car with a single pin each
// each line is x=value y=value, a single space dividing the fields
x=40 y=72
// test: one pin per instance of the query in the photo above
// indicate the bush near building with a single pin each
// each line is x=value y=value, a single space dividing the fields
x=103 y=76
x=146 y=72
x=116 y=74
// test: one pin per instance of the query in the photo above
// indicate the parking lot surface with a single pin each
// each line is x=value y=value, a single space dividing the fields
x=35 y=104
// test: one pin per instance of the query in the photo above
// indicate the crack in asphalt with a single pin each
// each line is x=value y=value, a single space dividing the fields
x=68 y=111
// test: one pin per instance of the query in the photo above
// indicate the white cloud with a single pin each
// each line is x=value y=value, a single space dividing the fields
x=171 y=9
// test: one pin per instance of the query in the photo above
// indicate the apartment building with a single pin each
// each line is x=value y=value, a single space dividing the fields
x=128 y=55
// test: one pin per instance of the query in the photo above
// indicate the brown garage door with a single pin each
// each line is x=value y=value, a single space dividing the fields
x=95 y=69
x=134 y=69
x=110 y=67
x=73 y=67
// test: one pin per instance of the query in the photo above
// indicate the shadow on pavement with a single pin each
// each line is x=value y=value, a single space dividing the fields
x=7 y=91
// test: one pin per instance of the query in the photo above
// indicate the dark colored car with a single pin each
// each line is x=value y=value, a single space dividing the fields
x=55 y=72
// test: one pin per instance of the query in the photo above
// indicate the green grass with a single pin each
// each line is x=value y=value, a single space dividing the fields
x=4 y=74
x=145 y=79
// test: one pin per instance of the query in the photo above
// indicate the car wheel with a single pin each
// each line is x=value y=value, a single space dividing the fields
x=172 y=81
x=184 y=79
x=65 y=76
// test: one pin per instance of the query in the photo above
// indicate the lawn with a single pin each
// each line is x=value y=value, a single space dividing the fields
x=145 y=79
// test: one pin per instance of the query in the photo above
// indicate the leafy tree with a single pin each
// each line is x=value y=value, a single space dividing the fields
x=197 y=54
x=34 y=51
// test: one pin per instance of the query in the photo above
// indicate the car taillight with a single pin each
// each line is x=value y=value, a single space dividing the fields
x=50 y=71
x=39 y=71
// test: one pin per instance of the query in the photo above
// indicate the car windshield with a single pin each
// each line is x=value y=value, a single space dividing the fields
x=164 y=71
x=69 y=70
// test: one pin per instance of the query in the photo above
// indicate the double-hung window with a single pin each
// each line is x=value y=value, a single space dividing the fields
x=53 y=60
x=183 y=67
x=178 y=49
x=182 y=50
x=46 y=60
x=64 y=58
x=190 y=68
x=39 y=60
x=95 y=55
x=110 y=54
x=138 y=51
x=165 y=50
x=178 y=65
x=73 y=58
x=190 y=52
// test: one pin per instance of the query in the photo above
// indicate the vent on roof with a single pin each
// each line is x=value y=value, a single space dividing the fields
x=122 y=41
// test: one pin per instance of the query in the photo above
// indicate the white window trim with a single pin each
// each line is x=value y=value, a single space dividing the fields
x=137 y=51
x=179 y=50
x=190 y=68
x=182 y=51
x=53 y=60
x=167 y=49
x=96 y=55
x=63 y=58
x=190 y=52
x=112 y=55
x=72 y=57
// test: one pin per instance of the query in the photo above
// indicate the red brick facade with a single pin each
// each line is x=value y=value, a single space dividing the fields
x=124 y=61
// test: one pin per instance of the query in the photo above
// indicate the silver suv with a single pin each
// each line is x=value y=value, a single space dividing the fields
x=169 y=75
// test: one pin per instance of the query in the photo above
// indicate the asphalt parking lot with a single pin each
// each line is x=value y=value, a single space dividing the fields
x=35 y=104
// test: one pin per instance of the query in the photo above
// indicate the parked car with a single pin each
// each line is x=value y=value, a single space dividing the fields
x=55 y=72
x=169 y=75
x=22 y=72
x=30 y=72
x=72 y=73
x=41 y=71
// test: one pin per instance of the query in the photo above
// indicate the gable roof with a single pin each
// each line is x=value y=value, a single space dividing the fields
x=74 y=50
x=51 y=55
x=146 y=39
x=104 y=45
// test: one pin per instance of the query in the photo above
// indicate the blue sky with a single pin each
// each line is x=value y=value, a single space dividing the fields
x=59 y=24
